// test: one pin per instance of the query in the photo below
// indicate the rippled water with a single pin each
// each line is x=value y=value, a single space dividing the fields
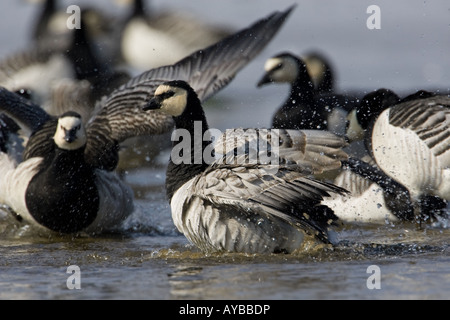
x=151 y=260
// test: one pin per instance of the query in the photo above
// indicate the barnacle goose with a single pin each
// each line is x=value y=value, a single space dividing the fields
x=238 y=206
x=116 y=118
x=306 y=107
x=50 y=22
x=56 y=187
x=409 y=140
x=152 y=39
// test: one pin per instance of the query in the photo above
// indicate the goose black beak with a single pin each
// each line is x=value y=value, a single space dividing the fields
x=153 y=104
x=265 y=79
x=70 y=135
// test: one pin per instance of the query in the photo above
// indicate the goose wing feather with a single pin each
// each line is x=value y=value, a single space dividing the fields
x=27 y=114
x=283 y=194
x=429 y=118
x=310 y=151
x=207 y=71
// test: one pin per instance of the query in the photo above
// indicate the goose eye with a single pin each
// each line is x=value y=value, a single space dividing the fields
x=26 y=93
x=278 y=66
x=168 y=94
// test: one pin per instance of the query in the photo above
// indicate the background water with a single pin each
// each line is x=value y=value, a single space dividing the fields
x=150 y=260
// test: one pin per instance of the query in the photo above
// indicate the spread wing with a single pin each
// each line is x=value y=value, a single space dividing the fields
x=119 y=116
x=27 y=114
x=32 y=118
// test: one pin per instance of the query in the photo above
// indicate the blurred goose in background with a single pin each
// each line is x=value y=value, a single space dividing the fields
x=306 y=107
x=409 y=140
x=50 y=21
x=374 y=198
x=152 y=39
x=50 y=27
x=242 y=206
x=43 y=72
x=67 y=153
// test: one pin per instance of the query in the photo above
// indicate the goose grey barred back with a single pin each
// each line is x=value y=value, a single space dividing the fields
x=116 y=117
x=373 y=198
x=310 y=151
x=306 y=107
x=409 y=139
x=245 y=206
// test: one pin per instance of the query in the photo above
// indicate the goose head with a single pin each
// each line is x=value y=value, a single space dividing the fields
x=173 y=98
x=282 y=68
x=70 y=132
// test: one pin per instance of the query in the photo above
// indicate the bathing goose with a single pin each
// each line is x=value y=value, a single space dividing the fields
x=306 y=107
x=116 y=117
x=151 y=39
x=55 y=187
x=238 y=206
x=40 y=69
x=409 y=139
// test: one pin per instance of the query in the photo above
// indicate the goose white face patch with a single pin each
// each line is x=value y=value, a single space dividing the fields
x=354 y=130
x=175 y=102
x=315 y=67
x=70 y=133
x=282 y=69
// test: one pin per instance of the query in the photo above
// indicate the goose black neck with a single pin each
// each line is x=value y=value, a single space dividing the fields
x=187 y=157
x=298 y=111
x=84 y=60
x=138 y=9
x=326 y=85
x=63 y=196
x=302 y=89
